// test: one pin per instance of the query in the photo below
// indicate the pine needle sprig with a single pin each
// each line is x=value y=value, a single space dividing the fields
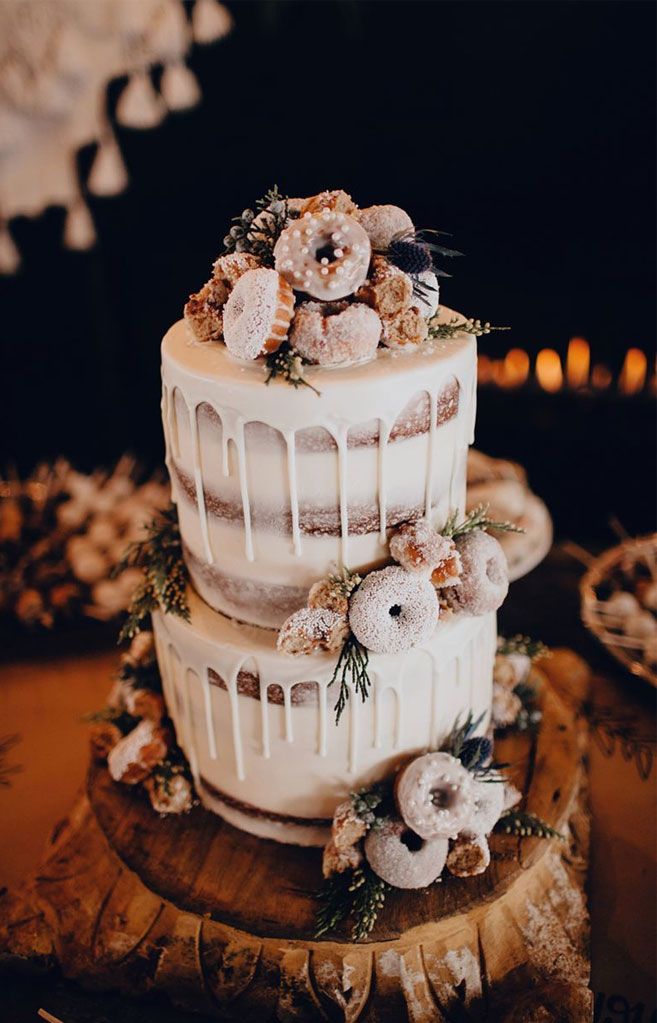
x=367 y=801
x=257 y=230
x=526 y=825
x=532 y=648
x=345 y=581
x=351 y=668
x=159 y=556
x=460 y=325
x=286 y=363
x=477 y=519
x=334 y=896
x=359 y=894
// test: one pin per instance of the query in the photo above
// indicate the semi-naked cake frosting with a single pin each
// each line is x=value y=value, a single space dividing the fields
x=279 y=486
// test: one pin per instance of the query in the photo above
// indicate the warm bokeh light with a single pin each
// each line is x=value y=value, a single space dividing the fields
x=601 y=376
x=578 y=362
x=548 y=370
x=633 y=374
x=516 y=368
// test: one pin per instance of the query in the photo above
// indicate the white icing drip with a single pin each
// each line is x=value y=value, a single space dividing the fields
x=235 y=722
x=294 y=493
x=198 y=483
x=209 y=720
x=225 y=465
x=189 y=716
x=287 y=706
x=244 y=489
x=264 y=716
x=433 y=414
x=384 y=434
x=174 y=439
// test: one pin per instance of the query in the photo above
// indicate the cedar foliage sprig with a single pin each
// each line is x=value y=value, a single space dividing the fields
x=351 y=667
x=359 y=894
x=286 y=363
x=526 y=825
x=159 y=555
x=460 y=325
x=272 y=213
x=366 y=801
x=477 y=519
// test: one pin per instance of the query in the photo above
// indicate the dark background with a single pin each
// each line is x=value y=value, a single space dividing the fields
x=524 y=129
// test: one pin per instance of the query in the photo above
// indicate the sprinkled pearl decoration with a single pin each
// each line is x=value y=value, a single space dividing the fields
x=435 y=795
x=331 y=252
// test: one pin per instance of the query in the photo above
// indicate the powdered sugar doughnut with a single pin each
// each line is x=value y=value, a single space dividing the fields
x=393 y=610
x=257 y=314
x=427 y=294
x=310 y=629
x=335 y=333
x=435 y=795
x=382 y=223
x=402 y=858
x=337 y=200
x=484 y=581
x=325 y=254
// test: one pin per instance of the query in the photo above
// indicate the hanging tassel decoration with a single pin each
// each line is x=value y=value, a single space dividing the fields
x=140 y=106
x=10 y=258
x=79 y=230
x=108 y=175
x=179 y=87
x=210 y=21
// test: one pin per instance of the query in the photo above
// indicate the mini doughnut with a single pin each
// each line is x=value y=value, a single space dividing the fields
x=383 y=223
x=484 y=581
x=448 y=572
x=326 y=593
x=418 y=547
x=203 y=312
x=325 y=254
x=387 y=289
x=393 y=610
x=338 y=201
x=312 y=629
x=427 y=296
x=402 y=858
x=335 y=333
x=488 y=805
x=407 y=330
x=229 y=268
x=435 y=795
x=257 y=314
x=468 y=856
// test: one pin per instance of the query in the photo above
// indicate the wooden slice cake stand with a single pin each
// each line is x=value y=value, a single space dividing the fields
x=223 y=922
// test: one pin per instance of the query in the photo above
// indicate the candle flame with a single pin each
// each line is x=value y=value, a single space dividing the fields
x=548 y=370
x=601 y=376
x=516 y=367
x=633 y=373
x=578 y=362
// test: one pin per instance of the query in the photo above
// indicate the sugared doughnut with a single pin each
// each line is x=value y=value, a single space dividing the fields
x=326 y=254
x=229 y=268
x=312 y=629
x=335 y=333
x=203 y=311
x=328 y=594
x=338 y=201
x=383 y=223
x=402 y=858
x=435 y=795
x=468 y=856
x=387 y=289
x=484 y=580
x=407 y=330
x=427 y=294
x=419 y=547
x=393 y=610
x=488 y=805
x=257 y=314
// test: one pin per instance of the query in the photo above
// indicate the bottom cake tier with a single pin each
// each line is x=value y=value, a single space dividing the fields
x=258 y=726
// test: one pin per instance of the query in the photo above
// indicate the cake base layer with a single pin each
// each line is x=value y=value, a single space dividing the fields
x=222 y=922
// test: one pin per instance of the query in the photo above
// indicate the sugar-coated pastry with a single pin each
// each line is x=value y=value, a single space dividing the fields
x=393 y=610
x=406 y=330
x=312 y=629
x=337 y=201
x=326 y=254
x=403 y=859
x=419 y=547
x=468 y=856
x=228 y=269
x=137 y=753
x=384 y=223
x=387 y=289
x=426 y=294
x=484 y=581
x=170 y=794
x=435 y=795
x=335 y=333
x=257 y=314
x=488 y=805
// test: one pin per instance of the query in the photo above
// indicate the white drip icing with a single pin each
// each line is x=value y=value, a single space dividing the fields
x=290 y=441
x=264 y=717
x=240 y=446
x=209 y=718
x=233 y=695
x=198 y=483
x=287 y=705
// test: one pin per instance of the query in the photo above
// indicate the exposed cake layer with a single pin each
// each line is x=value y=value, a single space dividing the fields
x=258 y=725
x=276 y=487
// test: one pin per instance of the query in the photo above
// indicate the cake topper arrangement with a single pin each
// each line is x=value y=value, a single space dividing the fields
x=321 y=282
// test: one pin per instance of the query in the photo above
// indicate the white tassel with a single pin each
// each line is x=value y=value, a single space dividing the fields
x=210 y=21
x=169 y=35
x=179 y=86
x=140 y=106
x=108 y=175
x=79 y=230
x=10 y=258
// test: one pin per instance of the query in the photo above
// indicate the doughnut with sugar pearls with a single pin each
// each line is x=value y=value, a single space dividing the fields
x=435 y=795
x=257 y=314
x=335 y=334
x=402 y=858
x=383 y=223
x=484 y=581
x=326 y=254
x=392 y=610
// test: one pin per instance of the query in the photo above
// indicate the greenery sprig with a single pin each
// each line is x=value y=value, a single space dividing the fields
x=367 y=801
x=257 y=231
x=351 y=667
x=359 y=894
x=460 y=325
x=286 y=363
x=477 y=519
x=526 y=825
x=160 y=558
x=532 y=648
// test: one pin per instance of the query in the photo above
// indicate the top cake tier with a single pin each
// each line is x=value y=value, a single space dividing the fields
x=277 y=486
